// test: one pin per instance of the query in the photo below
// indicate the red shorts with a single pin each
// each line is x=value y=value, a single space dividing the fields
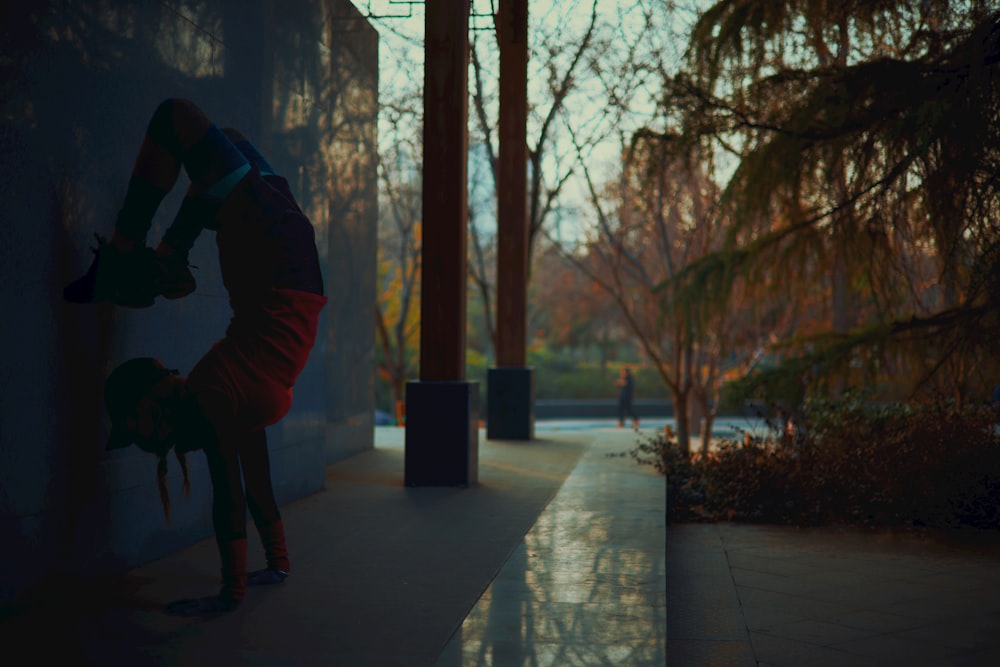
x=254 y=367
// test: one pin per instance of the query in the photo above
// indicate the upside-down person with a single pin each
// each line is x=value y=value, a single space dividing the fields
x=270 y=268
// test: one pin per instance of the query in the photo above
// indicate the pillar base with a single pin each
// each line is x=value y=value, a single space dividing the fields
x=510 y=404
x=442 y=433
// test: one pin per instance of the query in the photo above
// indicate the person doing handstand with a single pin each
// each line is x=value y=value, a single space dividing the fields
x=270 y=268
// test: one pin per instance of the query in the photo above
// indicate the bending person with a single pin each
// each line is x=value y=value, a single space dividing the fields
x=270 y=268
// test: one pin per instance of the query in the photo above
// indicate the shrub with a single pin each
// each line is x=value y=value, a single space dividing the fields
x=663 y=454
x=853 y=462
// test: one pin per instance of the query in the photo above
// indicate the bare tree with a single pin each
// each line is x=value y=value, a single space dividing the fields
x=653 y=218
x=650 y=222
x=398 y=290
x=560 y=47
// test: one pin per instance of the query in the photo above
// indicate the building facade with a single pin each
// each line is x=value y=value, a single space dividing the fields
x=300 y=79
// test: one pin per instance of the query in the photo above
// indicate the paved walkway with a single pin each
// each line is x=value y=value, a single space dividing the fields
x=560 y=556
x=772 y=596
x=555 y=558
x=587 y=584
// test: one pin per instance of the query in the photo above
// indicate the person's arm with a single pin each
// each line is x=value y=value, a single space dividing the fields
x=195 y=431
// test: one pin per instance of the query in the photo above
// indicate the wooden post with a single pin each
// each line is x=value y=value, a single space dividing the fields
x=442 y=409
x=445 y=213
x=512 y=198
x=510 y=393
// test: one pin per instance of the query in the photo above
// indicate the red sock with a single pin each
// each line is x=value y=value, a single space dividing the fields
x=272 y=536
x=234 y=569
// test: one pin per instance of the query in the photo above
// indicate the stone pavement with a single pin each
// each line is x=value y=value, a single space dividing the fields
x=774 y=596
x=560 y=556
x=587 y=584
x=555 y=558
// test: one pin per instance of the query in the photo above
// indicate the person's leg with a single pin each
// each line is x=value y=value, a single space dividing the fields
x=201 y=204
x=249 y=151
x=197 y=212
x=256 y=466
x=124 y=271
x=179 y=134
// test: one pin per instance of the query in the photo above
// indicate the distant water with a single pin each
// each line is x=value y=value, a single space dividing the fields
x=729 y=428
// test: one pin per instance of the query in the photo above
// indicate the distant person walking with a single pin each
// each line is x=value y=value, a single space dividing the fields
x=626 y=389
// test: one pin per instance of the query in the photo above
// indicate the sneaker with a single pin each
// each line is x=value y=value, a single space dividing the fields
x=125 y=279
x=266 y=577
x=174 y=279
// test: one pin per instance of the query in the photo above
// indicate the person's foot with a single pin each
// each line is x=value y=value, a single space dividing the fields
x=198 y=606
x=266 y=577
x=174 y=279
x=125 y=279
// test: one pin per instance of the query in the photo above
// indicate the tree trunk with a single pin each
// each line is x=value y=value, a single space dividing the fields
x=707 y=421
x=682 y=420
x=706 y=433
x=399 y=400
x=696 y=412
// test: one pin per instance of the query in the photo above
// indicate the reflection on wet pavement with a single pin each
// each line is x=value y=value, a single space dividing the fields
x=587 y=585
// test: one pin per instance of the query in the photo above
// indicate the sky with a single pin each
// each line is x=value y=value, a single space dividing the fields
x=400 y=27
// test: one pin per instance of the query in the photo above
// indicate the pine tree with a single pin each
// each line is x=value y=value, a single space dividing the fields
x=865 y=140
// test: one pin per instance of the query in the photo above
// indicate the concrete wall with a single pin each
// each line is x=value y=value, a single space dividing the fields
x=80 y=80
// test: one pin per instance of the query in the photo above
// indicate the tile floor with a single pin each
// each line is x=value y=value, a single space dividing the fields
x=772 y=596
x=587 y=585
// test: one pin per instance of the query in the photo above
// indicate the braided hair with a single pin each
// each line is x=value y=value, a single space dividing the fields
x=161 y=481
